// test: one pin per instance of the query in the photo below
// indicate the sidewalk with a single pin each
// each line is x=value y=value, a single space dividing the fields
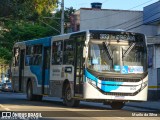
x=153 y=105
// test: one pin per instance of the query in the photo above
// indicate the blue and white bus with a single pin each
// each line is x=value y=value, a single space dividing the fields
x=108 y=66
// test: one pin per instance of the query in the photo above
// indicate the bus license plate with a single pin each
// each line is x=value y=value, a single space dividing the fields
x=119 y=97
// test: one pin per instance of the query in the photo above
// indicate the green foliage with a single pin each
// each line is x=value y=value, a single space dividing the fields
x=5 y=54
x=44 y=6
x=68 y=13
x=5 y=8
x=19 y=21
x=22 y=20
x=26 y=9
x=25 y=31
x=3 y=61
x=20 y=32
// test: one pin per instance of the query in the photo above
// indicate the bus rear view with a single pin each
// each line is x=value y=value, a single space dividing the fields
x=116 y=67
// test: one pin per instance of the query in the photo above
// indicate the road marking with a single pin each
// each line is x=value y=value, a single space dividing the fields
x=7 y=109
x=120 y=118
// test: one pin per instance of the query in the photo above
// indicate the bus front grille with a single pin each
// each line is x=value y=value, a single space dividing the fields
x=119 y=79
x=120 y=94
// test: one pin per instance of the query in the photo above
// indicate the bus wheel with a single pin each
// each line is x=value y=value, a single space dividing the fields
x=68 y=100
x=30 y=95
x=117 y=105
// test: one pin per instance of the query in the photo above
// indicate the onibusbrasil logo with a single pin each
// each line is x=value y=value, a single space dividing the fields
x=20 y=115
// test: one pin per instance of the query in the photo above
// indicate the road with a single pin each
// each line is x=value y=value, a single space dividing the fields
x=53 y=109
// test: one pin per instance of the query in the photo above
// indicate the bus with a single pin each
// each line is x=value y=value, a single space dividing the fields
x=108 y=66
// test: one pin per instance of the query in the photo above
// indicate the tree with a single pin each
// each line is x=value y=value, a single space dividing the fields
x=67 y=14
x=24 y=20
x=5 y=55
x=21 y=32
x=19 y=21
x=5 y=8
x=26 y=9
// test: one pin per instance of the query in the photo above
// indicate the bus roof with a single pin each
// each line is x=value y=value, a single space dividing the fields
x=45 y=41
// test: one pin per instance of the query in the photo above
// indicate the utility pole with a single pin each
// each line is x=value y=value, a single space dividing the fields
x=62 y=17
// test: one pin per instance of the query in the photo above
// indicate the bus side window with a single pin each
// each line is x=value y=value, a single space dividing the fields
x=33 y=55
x=37 y=55
x=27 y=60
x=68 y=57
x=37 y=59
x=28 y=56
x=57 y=53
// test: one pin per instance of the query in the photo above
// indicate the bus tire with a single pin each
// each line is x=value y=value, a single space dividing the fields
x=117 y=105
x=68 y=100
x=30 y=95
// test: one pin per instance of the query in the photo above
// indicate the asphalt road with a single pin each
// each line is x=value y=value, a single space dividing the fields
x=53 y=109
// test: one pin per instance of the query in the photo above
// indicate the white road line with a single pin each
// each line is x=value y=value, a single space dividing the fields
x=1 y=105
x=5 y=108
x=120 y=118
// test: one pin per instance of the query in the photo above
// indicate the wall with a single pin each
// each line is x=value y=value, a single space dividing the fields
x=115 y=19
x=151 y=13
x=154 y=90
x=157 y=56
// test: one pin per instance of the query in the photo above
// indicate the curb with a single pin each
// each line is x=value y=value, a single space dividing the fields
x=144 y=107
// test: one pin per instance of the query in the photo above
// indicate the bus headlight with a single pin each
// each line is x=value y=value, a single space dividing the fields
x=143 y=85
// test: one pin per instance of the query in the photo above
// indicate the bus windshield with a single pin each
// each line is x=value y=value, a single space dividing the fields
x=123 y=57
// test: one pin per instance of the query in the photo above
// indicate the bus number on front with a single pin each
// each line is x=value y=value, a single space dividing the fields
x=133 y=88
x=104 y=36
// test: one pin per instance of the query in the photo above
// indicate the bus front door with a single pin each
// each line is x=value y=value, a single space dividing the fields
x=78 y=83
x=46 y=70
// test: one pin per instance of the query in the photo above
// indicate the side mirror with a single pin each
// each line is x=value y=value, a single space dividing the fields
x=84 y=52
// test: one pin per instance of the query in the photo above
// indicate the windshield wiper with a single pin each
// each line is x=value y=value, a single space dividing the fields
x=128 y=50
x=109 y=52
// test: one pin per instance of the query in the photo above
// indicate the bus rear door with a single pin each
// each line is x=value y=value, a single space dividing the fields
x=46 y=70
x=21 y=69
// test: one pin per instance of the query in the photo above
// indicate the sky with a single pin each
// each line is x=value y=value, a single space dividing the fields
x=110 y=4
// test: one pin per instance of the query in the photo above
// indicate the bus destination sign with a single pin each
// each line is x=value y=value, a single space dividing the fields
x=117 y=37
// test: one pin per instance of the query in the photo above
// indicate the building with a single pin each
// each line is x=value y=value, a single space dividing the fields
x=151 y=16
x=97 y=18
x=146 y=22
x=154 y=67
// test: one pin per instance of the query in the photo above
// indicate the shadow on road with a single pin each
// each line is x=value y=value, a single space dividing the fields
x=9 y=98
